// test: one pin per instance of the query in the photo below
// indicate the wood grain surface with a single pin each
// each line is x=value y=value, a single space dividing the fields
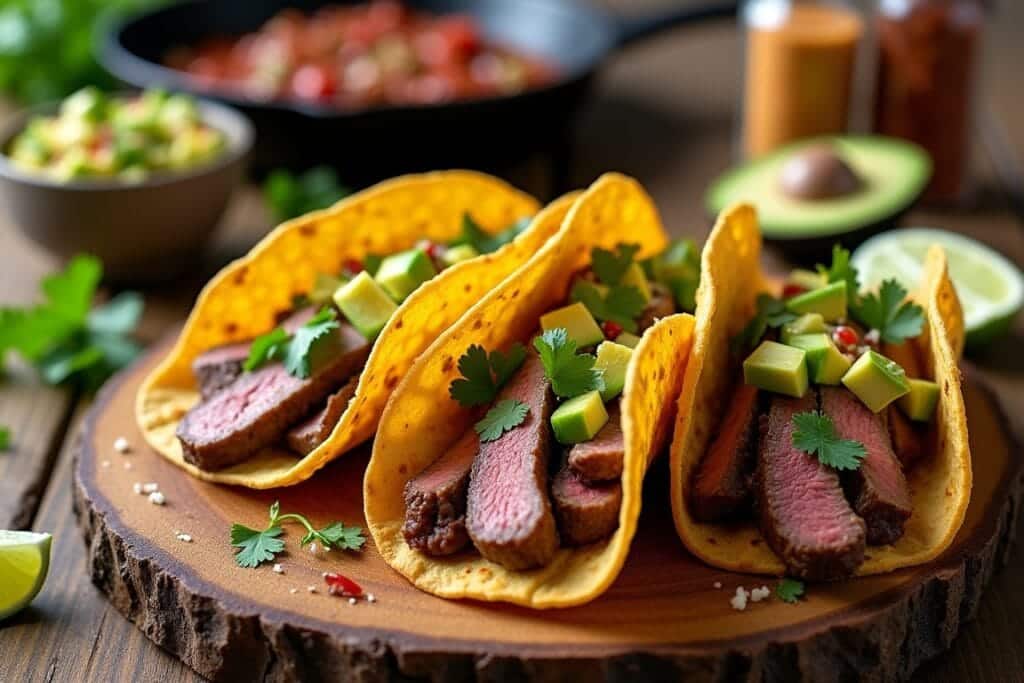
x=663 y=111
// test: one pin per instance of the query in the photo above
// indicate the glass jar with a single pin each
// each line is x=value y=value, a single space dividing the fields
x=927 y=54
x=800 y=58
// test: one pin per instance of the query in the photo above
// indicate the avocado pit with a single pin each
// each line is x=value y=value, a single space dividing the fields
x=818 y=172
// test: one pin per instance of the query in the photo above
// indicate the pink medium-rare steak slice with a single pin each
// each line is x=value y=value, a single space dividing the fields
x=435 y=500
x=257 y=409
x=587 y=511
x=600 y=459
x=508 y=512
x=907 y=442
x=803 y=512
x=306 y=437
x=877 y=489
x=721 y=486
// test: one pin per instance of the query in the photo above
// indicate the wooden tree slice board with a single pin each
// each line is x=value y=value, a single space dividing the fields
x=663 y=618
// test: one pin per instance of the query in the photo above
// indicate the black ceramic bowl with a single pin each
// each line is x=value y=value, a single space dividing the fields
x=144 y=232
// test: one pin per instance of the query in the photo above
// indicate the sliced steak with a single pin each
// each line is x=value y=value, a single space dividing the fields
x=587 y=511
x=907 y=442
x=721 y=486
x=435 y=501
x=220 y=366
x=661 y=305
x=508 y=512
x=803 y=513
x=600 y=459
x=877 y=489
x=258 y=408
x=306 y=437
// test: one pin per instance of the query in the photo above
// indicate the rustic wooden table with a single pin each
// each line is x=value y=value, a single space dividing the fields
x=663 y=112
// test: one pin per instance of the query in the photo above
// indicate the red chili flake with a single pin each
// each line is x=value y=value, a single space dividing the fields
x=792 y=289
x=611 y=329
x=342 y=585
x=353 y=266
x=846 y=336
x=432 y=249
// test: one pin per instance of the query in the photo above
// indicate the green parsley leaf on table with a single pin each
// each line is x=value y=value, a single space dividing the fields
x=815 y=434
x=842 y=271
x=66 y=341
x=5 y=438
x=288 y=195
x=503 y=416
x=571 y=374
x=483 y=375
x=484 y=242
x=889 y=312
x=257 y=547
x=790 y=590
x=771 y=312
x=611 y=266
x=298 y=358
x=337 y=535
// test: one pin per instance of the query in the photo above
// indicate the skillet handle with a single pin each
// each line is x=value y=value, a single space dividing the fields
x=633 y=29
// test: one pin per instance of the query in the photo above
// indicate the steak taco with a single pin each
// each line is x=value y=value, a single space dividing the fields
x=291 y=352
x=509 y=464
x=822 y=431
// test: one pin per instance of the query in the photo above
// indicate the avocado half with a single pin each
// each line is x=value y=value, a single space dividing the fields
x=893 y=172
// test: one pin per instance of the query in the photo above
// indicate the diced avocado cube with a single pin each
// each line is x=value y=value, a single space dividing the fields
x=808 y=279
x=808 y=323
x=579 y=419
x=778 y=368
x=578 y=323
x=628 y=339
x=612 y=360
x=876 y=380
x=635 y=277
x=324 y=287
x=74 y=164
x=365 y=304
x=87 y=103
x=829 y=301
x=826 y=364
x=400 y=274
x=457 y=254
x=177 y=113
x=919 y=404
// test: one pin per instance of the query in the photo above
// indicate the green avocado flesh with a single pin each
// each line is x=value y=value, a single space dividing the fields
x=579 y=419
x=579 y=324
x=894 y=173
x=365 y=304
x=612 y=361
x=778 y=368
x=825 y=363
x=829 y=302
x=919 y=404
x=876 y=380
x=401 y=274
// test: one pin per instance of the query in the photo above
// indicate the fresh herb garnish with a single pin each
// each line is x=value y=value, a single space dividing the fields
x=483 y=375
x=503 y=416
x=371 y=263
x=5 y=438
x=790 y=590
x=288 y=196
x=678 y=268
x=611 y=266
x=257 y=547
x=889 y=312
x=622 y=304
x=815 y=434
x=484 y=242
x=64 y=340
x=295 y=351
x=771 y=312
x=842 y=271
x=571 y=374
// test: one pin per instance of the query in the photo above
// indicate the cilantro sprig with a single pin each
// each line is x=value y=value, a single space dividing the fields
x=484 y=242
x=841 y=270
x=288 y=196
x=570 y=373
x=503 y=416
x=295 y=351
x=259 y=546
x=815 y=434
x=67 y=340
x=5 y=438
x=770 y=312
x=790 y=590
x=611 y=266
x=484 y=374
x=621 y=304
x=889 y=312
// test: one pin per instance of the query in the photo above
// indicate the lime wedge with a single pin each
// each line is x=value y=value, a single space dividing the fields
x=24 y=560
x=990 y=287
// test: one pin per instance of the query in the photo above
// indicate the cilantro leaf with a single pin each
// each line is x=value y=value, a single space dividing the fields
x=789 y=590
x=889 y=312
x=842 y=271
x=678 y=268
x=770 y=312
x=571 y=374
x=337 y=535
x=371 y=263
x=503 y=416
x=5 y=438
x=483 y=375
x=484 y=242
x=622 y=304
x=256 y=547
x=120 y=315
x=266 y=348
x=610 y=266
x=70 y=291
x=815 y=434
x=288 y=196
x=299 y=356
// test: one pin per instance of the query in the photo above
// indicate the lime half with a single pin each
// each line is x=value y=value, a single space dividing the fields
x=990 y=287
x=24 y=560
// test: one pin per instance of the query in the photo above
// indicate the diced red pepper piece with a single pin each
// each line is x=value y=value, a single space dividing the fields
x=846 y=336
x=792 y=289
x=353 y=266
x=611 y=329
x=342 y=585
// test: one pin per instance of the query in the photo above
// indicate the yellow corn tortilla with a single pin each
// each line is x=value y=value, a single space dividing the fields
x=422 y=421
x=245 y=298
x=940 y=485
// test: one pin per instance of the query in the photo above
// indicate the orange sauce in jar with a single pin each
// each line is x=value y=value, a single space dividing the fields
x=799 y=72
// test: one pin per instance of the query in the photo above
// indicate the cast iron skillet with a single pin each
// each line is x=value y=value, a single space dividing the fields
x=369 y=144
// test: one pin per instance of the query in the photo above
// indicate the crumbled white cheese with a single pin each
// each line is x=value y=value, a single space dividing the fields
x=157 y=498
x=352 y=601
x=739 y=601
x=121 y=445
x=718 y=584
x=137 y=488
x=311 y=589
x=293 y=591
x=313 y=548
x=150 y=487
x=184 y=538
x=325 y=574
x=278 y=569
x=370 y=597
x=105 y=463
x=759 y=594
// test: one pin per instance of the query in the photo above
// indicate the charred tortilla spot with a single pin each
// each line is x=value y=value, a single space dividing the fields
x=307 y=230
x=390 y=382
x=398 y=324
x=467 y=288
x=478 y=324
x=230 y=329
x=447 y=364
